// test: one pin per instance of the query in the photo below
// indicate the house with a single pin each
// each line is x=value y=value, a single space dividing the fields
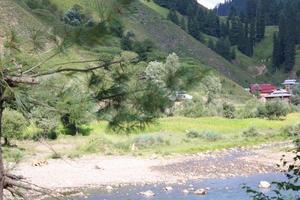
x=262 y=90
x=182 y=96
x=279 y=94
x=289 y=84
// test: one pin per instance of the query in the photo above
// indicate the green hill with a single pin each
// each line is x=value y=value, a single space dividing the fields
x=171 y=38
x=146 y=20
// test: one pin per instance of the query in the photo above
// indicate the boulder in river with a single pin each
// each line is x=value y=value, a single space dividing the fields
x=148 y=193
x=201 y=192
x=264 y=185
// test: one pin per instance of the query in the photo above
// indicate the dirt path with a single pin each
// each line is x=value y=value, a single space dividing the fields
x=97 y=171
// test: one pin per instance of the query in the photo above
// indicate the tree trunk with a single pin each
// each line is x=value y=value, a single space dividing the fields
x=2 y=178
x=6 y=142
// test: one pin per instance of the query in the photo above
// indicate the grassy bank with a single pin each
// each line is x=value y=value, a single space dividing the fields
x=167 y=136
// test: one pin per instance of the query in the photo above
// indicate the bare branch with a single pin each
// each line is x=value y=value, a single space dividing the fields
x=41 y=63
x=80 y=70
x=77 y=62
x=12 y=80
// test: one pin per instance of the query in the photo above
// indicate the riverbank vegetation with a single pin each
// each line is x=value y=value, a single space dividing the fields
x=175 y=135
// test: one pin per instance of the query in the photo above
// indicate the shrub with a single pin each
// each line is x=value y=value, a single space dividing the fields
x=251 y=132
x=273 y=109
x=191 y=108
x=193 y=134
x=210 y=136
x=14 y=124
x=250 y=110
x=292 y=131
x=207 y=135
x=145 y=141
x=228 y=111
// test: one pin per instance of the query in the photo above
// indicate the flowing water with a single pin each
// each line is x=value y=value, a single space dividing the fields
x=220 y=189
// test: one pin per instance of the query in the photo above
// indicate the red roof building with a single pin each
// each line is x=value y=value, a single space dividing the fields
x=262 y=89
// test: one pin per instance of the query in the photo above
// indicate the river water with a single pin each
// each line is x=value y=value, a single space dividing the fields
x=220 y=189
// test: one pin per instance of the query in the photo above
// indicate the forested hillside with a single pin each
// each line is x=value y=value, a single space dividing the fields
x=241 y=30
x=284 y=14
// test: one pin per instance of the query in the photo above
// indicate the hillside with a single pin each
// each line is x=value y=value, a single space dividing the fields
x=171 y=38
x=147 y=20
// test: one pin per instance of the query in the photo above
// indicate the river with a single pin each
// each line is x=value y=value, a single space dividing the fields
x=220 y=189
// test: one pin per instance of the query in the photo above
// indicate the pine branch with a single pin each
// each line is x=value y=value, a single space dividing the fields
x=80 y=70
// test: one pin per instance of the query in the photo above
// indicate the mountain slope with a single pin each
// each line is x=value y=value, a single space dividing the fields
x=171 y=38
x=14 y=16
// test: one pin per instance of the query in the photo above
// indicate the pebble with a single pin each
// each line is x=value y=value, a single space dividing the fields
x=185 y=191
x=264 y=185
x=201 y=192
x=148 y=193
x=168 y=188
x=109 y=188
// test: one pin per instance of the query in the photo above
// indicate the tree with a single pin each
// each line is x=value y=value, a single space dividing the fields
x=223 y=47
x=213 y=88
x=134 y=102
x=14 y=124
x=276 y=52
x=172 y=16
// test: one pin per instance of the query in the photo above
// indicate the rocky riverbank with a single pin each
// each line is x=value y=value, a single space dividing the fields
x=114 y=171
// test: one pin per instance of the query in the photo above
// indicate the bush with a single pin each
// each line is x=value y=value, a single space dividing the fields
x=292 y=131
x=251 y=132
x=145 y=141
x=14 y=124
x=250 y=110
x=228 y=111
x=191 y=108
x=207 y=135
x=193 y=134
x=273 y=110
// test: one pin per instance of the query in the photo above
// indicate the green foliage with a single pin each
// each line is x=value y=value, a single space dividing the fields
x=13 y=155
x=292 y=131
x=273 y=109
x=172 y=16
x=251 y=132
x=206 y=135
x=213 y=88
x=76 y=17
x=296 y=95
x=192 y=108
x=228 y=111
x=146 y=141
x=14 y=125
x=250 y=109
x=128 y=43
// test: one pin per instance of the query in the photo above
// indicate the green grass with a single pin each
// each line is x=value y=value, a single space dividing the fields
x=169 y=135
x=263 y=50
x=161 y=10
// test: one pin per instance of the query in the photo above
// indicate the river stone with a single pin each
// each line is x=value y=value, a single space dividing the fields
x=148 y=193
x=168 y=188
x=185 y=191
x=264 y=185
x=201 y=192
x=109 y=188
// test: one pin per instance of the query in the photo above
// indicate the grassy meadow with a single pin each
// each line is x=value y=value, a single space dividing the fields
x=168 y=136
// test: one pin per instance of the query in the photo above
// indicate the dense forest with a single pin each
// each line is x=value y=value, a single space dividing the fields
x=243 y=27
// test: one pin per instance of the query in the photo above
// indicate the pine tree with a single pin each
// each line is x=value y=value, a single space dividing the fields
x=172 y=16
x=276 y=52
x=183 y=24
x=260 y=22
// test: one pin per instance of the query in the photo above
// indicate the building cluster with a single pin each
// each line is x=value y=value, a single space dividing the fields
x=268 y=91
